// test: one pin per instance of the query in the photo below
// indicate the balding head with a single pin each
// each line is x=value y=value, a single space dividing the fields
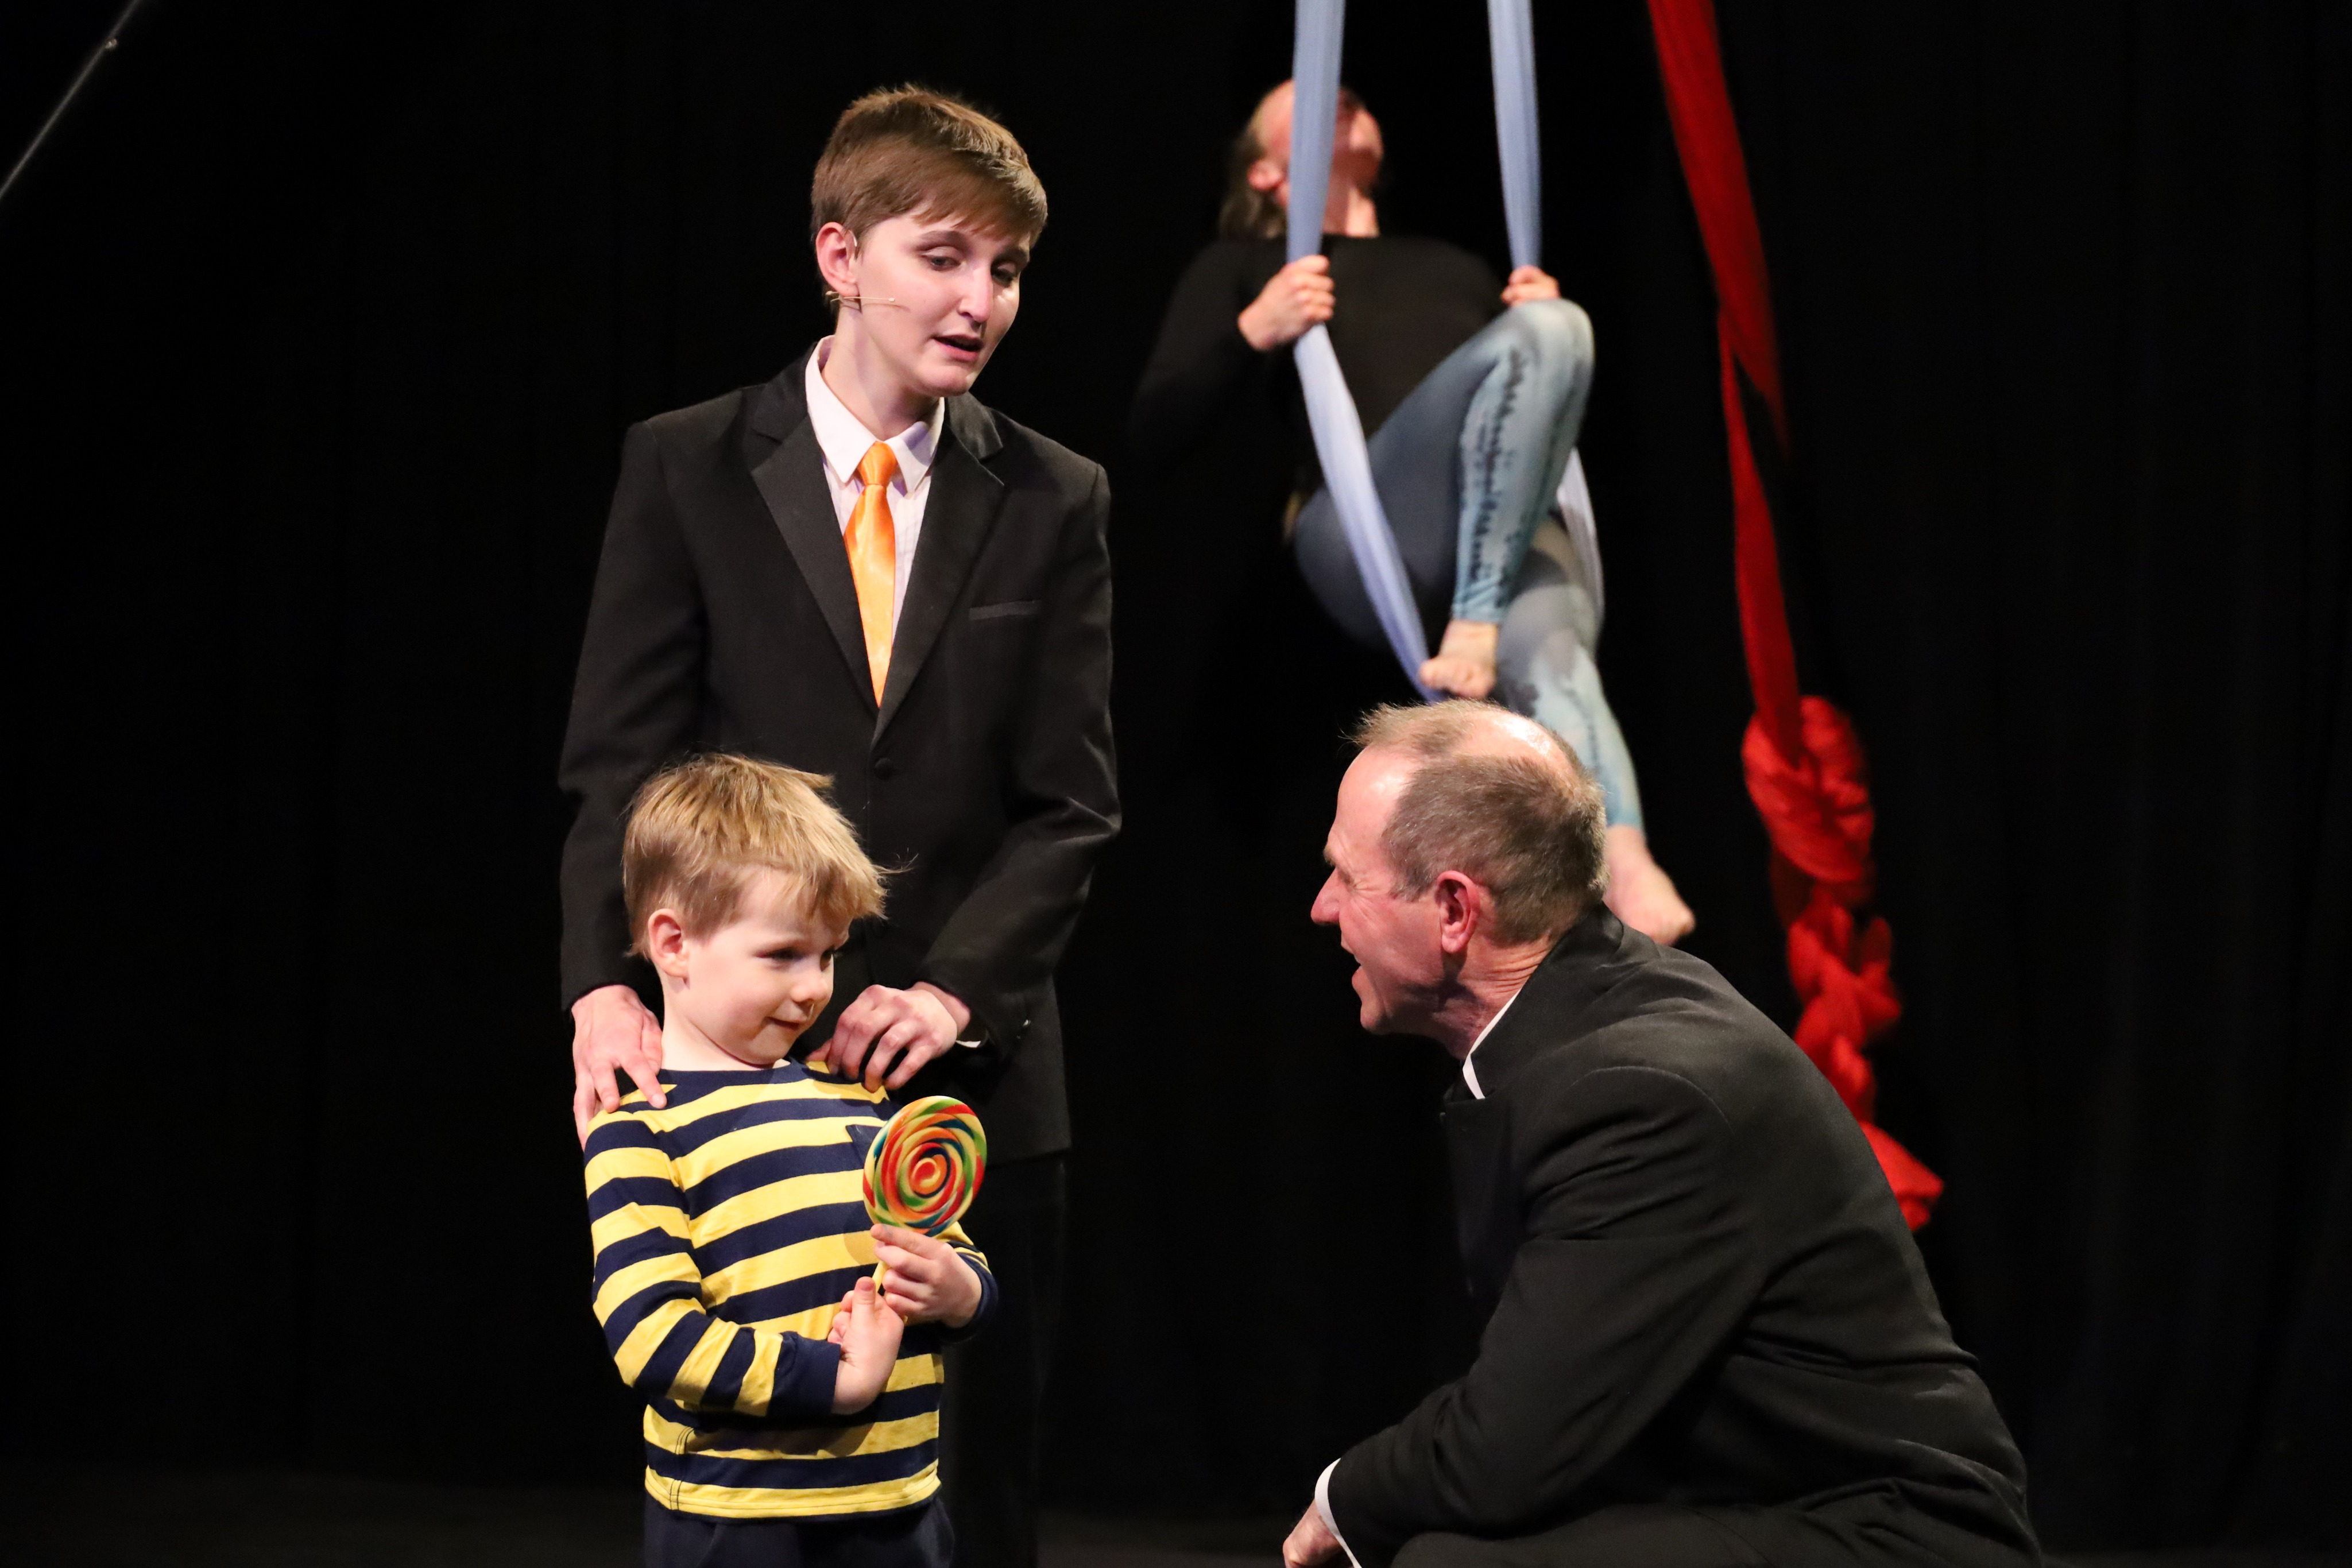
x=1497 y=798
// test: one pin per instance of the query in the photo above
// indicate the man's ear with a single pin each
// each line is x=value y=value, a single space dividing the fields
x=836 y=260
x=1264 y=175
x=666 y=943
x=1461 y=910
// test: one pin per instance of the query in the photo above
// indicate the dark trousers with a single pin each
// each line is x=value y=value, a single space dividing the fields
x=989 y=1433
x=911 y=1538
x=1628 y=1536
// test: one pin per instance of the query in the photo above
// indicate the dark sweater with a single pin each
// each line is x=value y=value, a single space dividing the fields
x=1401 y=305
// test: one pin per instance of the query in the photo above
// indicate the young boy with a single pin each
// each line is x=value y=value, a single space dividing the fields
x=792 y=1411
x=861 y=570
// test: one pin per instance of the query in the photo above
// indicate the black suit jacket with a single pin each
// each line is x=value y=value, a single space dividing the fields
x=1698 y=1290
x=724 y=619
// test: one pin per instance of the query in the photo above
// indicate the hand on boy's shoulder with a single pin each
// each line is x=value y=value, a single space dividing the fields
x=887 y=1036
x=612 y=1032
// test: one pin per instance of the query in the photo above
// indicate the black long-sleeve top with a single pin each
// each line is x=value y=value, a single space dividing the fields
x=1400 y=304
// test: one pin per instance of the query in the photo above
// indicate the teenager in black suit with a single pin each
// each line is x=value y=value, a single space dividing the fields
x=1708 y=1337
x=859 y=571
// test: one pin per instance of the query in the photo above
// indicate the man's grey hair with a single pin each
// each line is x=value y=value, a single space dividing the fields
x=1528 y=828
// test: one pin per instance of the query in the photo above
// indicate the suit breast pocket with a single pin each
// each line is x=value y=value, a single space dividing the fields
x=993 y=654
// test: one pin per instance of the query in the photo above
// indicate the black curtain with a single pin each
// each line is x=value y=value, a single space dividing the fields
x=321 y=328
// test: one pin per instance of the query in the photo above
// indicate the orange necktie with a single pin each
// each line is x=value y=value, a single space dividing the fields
x=873 y=542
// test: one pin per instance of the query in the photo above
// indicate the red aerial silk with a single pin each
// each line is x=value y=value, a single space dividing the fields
x=1805 y=767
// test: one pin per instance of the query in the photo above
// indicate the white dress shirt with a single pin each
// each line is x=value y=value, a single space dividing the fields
x=844 y=441
x=1469 y=1082
x=1470 y=1073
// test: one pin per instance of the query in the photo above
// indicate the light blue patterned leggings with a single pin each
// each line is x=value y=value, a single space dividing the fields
x=1468 y=467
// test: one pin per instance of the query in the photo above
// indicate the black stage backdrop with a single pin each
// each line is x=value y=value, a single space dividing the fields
x=322 y=324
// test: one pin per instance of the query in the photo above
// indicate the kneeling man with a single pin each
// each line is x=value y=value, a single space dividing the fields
x=1708 y=1337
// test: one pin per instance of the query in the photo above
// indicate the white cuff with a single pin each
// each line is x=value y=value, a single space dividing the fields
x=1323 y=1507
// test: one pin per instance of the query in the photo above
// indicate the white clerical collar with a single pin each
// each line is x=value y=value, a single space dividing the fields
x=1469 y=1073
x=845 y=440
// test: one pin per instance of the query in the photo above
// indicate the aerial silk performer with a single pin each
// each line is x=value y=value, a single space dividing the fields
x=1467 y=507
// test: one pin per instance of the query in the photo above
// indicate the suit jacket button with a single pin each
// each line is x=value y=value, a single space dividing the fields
x=884 y=768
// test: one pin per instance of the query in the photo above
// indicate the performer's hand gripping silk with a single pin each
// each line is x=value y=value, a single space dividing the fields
x=1478 y=408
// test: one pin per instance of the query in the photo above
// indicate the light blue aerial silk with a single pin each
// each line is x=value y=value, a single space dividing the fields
x=1330 y=409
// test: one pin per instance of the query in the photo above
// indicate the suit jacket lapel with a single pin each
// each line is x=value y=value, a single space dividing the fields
x=791 y=480
x=965 y=498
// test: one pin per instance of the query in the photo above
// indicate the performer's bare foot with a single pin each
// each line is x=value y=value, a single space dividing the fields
x=1464 y=663
x=1639 y=894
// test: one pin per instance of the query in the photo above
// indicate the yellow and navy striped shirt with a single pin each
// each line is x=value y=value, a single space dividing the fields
x=727 y=1227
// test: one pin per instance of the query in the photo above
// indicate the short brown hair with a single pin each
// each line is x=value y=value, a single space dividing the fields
x=697 y=832
x=910 y=150
x=1530 y=834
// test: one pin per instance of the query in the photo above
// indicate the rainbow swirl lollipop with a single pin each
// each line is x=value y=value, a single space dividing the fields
x=924 y=1167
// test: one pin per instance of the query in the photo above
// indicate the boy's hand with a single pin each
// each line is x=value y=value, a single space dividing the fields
x=884 y=1025
x=1295 y=299
x=867 y=1331
x=610 y=1028
x=927 y=1281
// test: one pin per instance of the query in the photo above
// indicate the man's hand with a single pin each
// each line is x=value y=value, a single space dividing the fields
x=884 y=1025
x=1310 y=1541
x=1464 y=663
x=1639 y=894
x=867 y=1333
x=610 y=1028
x=1296 y=299
x=1528 y=283
x=925 y=1280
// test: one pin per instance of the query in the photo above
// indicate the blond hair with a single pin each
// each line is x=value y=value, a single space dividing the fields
x=699 y=831
x=910 y=150
x=1529 y=832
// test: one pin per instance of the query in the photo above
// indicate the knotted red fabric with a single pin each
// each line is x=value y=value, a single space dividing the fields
x=1805 y=767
